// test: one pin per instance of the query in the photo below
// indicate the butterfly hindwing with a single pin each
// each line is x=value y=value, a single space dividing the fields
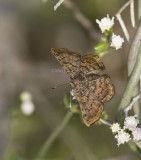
x=100 y=86
x=90 y=106
x=91 y=111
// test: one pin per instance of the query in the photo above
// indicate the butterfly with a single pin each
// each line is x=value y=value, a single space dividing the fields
x=91 y=89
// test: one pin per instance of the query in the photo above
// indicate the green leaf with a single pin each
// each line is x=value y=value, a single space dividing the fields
x=71 y=104
x=102 y=48
x=108 y=32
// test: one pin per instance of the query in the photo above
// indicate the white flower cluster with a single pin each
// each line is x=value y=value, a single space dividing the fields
x=116 y=41
x=106 y=25
x=131 y=123
x=115 y=127
x=129 y=130
x=122 y=137
x=27 y=105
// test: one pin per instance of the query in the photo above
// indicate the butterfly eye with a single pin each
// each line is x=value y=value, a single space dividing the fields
x=52 y=50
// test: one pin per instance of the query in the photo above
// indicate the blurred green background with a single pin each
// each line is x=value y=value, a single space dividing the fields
x=28 y=30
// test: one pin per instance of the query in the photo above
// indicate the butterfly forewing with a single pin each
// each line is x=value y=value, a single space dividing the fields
x=89 y=64
x=73 y=64
x=70 y=61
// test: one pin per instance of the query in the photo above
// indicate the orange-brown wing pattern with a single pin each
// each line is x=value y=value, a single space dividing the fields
x=91 y=111
x=69 y=61
x=90 y=106
x=73 y=63
x=91 y=91
x=89 y=64
x=100 y=86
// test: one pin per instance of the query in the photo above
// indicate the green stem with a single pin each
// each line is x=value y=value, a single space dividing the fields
x=132 y=82
x=135 y=149
x=134 y=79
x=139 y=19
x=139 y=10
x=53 y=136
x=9 y=149
x=131 y=62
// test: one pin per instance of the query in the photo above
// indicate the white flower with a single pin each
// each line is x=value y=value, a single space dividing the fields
x=115 y=127
x=72 y=92
x=58 y=4
x=27 y=107
x=136 y=134
x=106 y=23
x=25 y=96
x=122 y=137
x=131 y=123
x=116 y=41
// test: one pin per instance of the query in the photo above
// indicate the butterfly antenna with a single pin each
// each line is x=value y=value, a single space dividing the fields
x=60 y=85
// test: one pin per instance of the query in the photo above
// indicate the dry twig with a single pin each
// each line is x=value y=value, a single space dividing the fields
x=82 y=19
x=118 y=15
x=105 y=122
x=129 y=107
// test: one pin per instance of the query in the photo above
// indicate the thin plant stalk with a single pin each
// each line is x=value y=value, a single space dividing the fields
x=131 y=62
x=133 y=81
x=139 y=10
x=44 y=150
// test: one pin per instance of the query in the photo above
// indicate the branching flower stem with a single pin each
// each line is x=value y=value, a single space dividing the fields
x=82 y=19
x=58 y=4
x=105 y=122
x=44 y=150
x=129 y=107
x=124 y=7
x=134 y=70
x=134 y=79
x=131 y=62
x=132 y=13
x=134 y=50
x=125 y=31
x=119 y=18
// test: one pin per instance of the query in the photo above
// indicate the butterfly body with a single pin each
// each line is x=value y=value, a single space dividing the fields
x=91 y=89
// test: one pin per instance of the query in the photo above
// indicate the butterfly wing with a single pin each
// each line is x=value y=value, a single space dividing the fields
x=91 y=91
x=70 y=61
x=100 y=86
x=90 y=106
x=89 y=64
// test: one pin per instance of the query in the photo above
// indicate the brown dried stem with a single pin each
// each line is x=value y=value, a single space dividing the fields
x=82 y=19
x=119 y=18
